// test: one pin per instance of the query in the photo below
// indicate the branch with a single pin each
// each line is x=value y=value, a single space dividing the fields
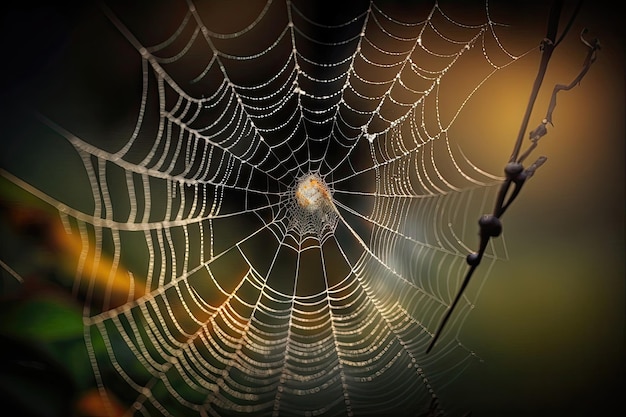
x=593 y=46
x=490 y=226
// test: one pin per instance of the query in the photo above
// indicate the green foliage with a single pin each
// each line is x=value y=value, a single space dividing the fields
x=44 y=356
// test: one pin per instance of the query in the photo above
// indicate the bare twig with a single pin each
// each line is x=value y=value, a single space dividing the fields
x=490 y=225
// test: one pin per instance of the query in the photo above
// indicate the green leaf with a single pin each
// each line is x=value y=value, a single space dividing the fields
x=43 y=319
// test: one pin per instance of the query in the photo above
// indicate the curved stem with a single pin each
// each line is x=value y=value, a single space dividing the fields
x=548 y=46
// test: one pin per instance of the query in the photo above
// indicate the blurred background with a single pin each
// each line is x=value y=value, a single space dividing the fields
x=549 y=325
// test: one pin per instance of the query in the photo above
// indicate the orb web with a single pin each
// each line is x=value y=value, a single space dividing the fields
x=289 y=216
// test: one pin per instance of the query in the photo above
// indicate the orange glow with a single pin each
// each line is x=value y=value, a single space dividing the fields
x=91 y=404
x=115 y=282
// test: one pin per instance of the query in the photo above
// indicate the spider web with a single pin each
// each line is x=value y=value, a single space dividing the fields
x=225 y=294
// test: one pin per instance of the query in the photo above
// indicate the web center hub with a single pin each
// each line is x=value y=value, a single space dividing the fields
x=312 y=209
x=312 y=193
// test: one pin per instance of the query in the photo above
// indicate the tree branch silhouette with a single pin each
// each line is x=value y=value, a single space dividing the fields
x=490 y=225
